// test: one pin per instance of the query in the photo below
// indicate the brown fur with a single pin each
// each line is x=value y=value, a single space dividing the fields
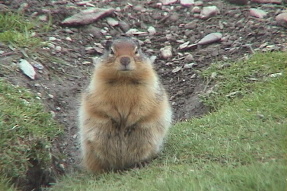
x=124 y=113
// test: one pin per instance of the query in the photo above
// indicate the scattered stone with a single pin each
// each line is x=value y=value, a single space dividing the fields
x=168 y=2
x=191 y=25
x=87 y=16
x=187 y=3
x=198 y=3
x=68 y=31
x=62 y=166
x=151 y=30
x=68 y=38
x=52 y=38
x=139 y=8
x=258 y=13
x=196 y=9
x=51 y=45
x=43 y=18
x=238 y=2
x=99 y=48
x=58 y=48
x=3 y=8
x=190 y=65
x=75 y=136
x=281 y=19
x=267 y=1
x=50 y=96
x=174 y=17
x=104 y=31
x=85 y=3
x=124 y=26
x=176 y=69
x=96 y=32
x=86 y=63
x=112 y=22
x=183 y=46
x=132 y=32
x=152 y=59
x=38 y=65
x=213 y=75
x=208 y=12
x=53 y=114
x=188 y=58
x=210 y=38
x=27 y=69
x=275 y=75
x=233 y=94
x=166 y=52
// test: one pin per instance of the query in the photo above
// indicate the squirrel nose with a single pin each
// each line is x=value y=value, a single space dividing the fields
x=125 y=61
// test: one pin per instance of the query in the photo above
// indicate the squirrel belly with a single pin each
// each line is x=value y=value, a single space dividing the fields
x=124 y=114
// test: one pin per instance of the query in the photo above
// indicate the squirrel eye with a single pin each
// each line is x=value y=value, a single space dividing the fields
x=112 y=52
x=136 y=50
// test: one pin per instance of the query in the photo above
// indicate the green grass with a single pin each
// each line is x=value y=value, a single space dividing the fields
x=26 y=131
x=16 y=30
x=240 y=146
x=5 y=185
x=238 y=79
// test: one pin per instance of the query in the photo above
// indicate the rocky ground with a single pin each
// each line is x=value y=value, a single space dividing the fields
x=183 y=37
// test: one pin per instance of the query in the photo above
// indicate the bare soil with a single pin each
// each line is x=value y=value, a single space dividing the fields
x=59 y=84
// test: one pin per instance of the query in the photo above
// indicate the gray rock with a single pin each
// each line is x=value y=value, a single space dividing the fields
x=166 y=52
x=196 y=9
x=208 y=12
x=151 y=30
x=210 y=38
x=198 y=3
x=176 y=69
x=124 y=26
x=191 y=25
x=135 y=32
x=267 y=1
x=96 y=32
x=238 y=2
x=87 y=16
x=168 y=2
x=187 y=3
x=281 y=19
x=190 y=65
x=188 y=58
x=27 y=69
x=257 y=13
x=112 y=22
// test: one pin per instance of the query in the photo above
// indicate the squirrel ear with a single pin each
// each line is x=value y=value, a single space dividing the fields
x=108 y=44
x=137 y=43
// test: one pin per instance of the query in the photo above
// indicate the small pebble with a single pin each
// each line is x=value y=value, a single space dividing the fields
x=166 y=52
x=210 y=38
x=52 y=38
x=196 y=9
x=167 y=2
x=43 y=18
x=281 y=19
x=151 y=30
x=188 y=58
x=187 y=3
x=209 y=11
x=112 y=22
x=176 y=69
x=257 y=13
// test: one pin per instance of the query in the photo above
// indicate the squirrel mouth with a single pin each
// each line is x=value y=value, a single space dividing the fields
x=125 y=69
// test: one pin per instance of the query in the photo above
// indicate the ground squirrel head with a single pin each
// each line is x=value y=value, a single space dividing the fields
x=124 y=55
